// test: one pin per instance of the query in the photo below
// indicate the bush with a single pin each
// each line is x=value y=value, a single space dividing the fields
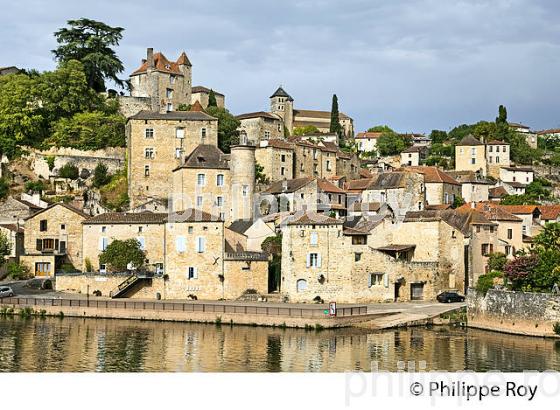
x=69 y=171
x=486 y=282
x=497 y=261
x=100 y=175
x=89 y=265
x=35 y=186
x=67 y=267
x=556 y=328
x=17 y=271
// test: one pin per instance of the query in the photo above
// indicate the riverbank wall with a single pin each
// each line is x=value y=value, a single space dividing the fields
x=198 y=312
x=523 y=313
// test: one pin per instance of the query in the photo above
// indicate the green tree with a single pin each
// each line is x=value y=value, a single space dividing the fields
x=260 y=176
x=335 y=120
x=438 y=137
x=5 y=248
x=4 y=188
x=119 y=254
x=69 y=170
x=100 y=175
x=308 y=129
x=390 y=143
x=35 y=186
x=497 y=261
x=227 y=127
x=212 y=99
x=91 y=42
x=381 y=128
x=502 y=126
x=518 y=200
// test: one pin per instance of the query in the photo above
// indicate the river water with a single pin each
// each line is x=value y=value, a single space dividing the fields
x=85 y=345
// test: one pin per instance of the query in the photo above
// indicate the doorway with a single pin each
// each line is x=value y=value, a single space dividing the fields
x=397 y=291
x=416 y=291
x=42 y=269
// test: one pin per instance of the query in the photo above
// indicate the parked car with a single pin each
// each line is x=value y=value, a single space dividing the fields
x=450 y=296
x=6 y=292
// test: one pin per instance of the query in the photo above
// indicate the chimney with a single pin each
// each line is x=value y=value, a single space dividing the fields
x=473 y=205
x=284 y=185
x=150 y=57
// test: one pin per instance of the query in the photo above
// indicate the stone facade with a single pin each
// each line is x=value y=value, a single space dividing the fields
x=277 y=159
x=485 y=158
x=201 y=95
x=55 y=234
x=261 y=126
x=157 y=144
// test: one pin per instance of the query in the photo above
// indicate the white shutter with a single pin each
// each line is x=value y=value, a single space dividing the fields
x=369 y=283
x=142 y=243
x=195 y=273
x=318 y=260
x=101 y=243
x=308 y=260
x=386 y=280
x=180 y=244
x=200 y=244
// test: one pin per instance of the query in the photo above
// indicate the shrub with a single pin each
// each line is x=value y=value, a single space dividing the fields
x=17 y=271
x=50 y=161
x=100 y=175
x=556 y=328
x=486 y=282
x=35 y=186
x=89 y=265
x=69 y=171
x=67 y=267
x=497 y=261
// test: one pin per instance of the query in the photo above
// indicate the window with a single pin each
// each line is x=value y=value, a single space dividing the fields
x=43 y=225
x=490 y=159
x=245 y=190
x=497 y=159
x=473 y=161
x=490 y=148
x=169 y=107
x=149 y=153
x=169 y=93
x=178 y=153
x=192 y=273
x=140 y=229
x=375 y=279
x=199 y=201
x=478 y=229
x=486 y=249
x=219 y=200
x=103 y=242
x=220 y=180
x=181 y=244
x=179 y=133
x=314 y=238
x=473 y=151
x=383 y=197
x=282 y=171
x=142 y=242
x=315 y=153
x=171 y=79
x=267 y=135
x=203 y=133
x=279 y=127
x=510 y=233
x=39 y=244
x=200 y=244
x=508 y=251
x=190 y=230
x=359 y=240
x=313 y=260
x=62 y=227
x=146 y=170
x=357 y=256
x=103 y=229
x=328 y=165
x=301 y=285
x=149 y=133
x=283 y=158
x=504 y=148
x=102 y=268
x=524 y=229
x=446 y=198
x=201 y=179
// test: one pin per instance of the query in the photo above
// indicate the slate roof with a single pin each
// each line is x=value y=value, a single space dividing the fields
x=496 y=142
x=12 y=227
x=257 y=114
x=206 y=156
x=240 y=226
x=280 y=92
x=497 y=192
x=519 y=169
x=279 y=143
x=492 y=211
x=327 y=186
x=468 y=177
x=360 y=184
x=69 y=207
x=313 y=218
x=469 y=141
x=389 y=180
x=291 y=185
x=365 y=206
x=188 y=215
x=317 y=114
x=173 y=115
x=204 y=90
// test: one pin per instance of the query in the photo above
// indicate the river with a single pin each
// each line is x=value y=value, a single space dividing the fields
x=85 y=345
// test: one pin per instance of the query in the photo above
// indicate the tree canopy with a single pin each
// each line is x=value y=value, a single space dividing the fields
x=390 y=143
x=335 y=120
x=227 y=127
x=380 y=128
x=5 y=248
x=212 y=99
x=119 y=254
x=308 y=129
x=91 y=42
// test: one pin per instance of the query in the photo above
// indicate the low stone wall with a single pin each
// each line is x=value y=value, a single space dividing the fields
x=532 y=314
x=89 y=283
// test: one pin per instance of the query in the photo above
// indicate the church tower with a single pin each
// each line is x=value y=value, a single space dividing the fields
x=282 y=104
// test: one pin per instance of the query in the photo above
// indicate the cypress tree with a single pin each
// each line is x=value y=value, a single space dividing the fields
x=212 y=99
x=335 y=123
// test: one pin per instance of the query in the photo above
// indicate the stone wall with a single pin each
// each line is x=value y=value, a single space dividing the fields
x=129 y=106
x=113 y=158
x=89 y=283
x=514 y=312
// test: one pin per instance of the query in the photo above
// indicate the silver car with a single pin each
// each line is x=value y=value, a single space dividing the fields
x=6 y=292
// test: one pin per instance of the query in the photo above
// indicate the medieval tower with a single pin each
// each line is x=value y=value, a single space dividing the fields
x=282 y=104
x=242 y=169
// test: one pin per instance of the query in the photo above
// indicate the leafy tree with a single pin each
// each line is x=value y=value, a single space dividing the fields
x=458 y=202
x=212 y=99
x=381 y=128
x=486 y=281
x=260 y=177
x=308 y=129
x=5 y=247
x=518 y=200
x=497 y=261
x=100 y=175
x=390 y=143
x=91 y=42
x=502 y=126
x=227 y=127
x=335 y=120
x=35 y=186
x=549 y=237
x=538 y=189
x=69 y=170
x=438 y=137
x=119 y=254
x=442 y=150
x=17 y=271
x=4 y=188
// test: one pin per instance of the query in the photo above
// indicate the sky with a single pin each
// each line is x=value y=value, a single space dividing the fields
x=414 y=65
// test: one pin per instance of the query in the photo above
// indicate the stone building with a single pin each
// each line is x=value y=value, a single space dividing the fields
x=474 y=188
x=440 y=188
x=261 y=126
x=14 y=235
x=413 y=155
x=15 y=210
x=219 y=184
x=276 y=156
x=157 y=144
x=201 y=94
x=53 y=236
x=522 y=175
x=486 y=159
x=367 y=141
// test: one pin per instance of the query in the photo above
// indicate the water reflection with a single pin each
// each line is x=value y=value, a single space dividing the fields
x=69 y=344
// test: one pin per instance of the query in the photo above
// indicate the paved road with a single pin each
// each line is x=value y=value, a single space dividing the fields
x=420 y=309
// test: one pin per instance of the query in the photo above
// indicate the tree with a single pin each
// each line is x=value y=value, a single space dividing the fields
x=5 y=247
x=227 y=127
x=390 y=143
x=519 y=269
x=438 y=137
x=549 y=237
x=69 y=171
x=458 y=202
x=91 y=42
x=497 y=261
x=335 y=121
x=212 y=99
x=308 y=129
x=260 y=176
x=4 y=188
x=35 y=186
x=119 y=254
x=380 y=128
x=502 y=126
x=100 y=175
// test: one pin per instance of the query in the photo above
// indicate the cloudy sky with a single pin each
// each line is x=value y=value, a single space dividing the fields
x=414 y=65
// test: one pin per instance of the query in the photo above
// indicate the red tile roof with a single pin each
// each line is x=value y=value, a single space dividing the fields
x=549 y=212
x=434 y=175
x=366 y=135
x=161 y=63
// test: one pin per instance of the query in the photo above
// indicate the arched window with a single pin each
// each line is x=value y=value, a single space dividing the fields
x=301 y=285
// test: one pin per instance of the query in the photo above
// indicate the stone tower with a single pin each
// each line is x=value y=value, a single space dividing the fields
x=282 y=104
x=242 y=169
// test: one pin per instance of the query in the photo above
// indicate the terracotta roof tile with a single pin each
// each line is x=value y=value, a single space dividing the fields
x=434 y=175
x=549 y=212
